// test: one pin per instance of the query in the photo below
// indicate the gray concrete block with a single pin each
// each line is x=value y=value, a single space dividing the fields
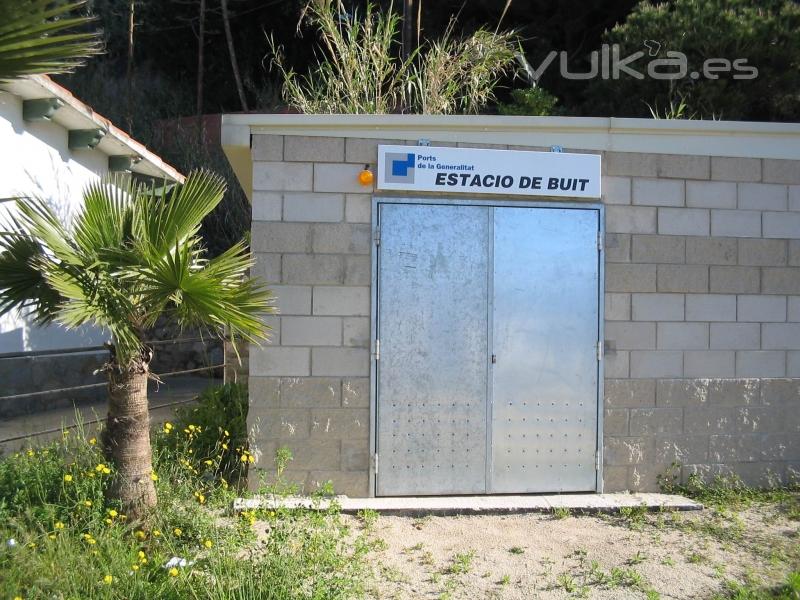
x=630 y=278
x=710 y=307
x=310 y=392
x=339 y=178
x=630 y=219
x=355 y=392
x=270 y=424
x=629 y=393
x=707 y=420
x=357 y=270
x=781 y=225
x=631 y=336
x=781 y=170
x=311 y=331
x=313 y=269
x=793 y=363
x=358 y=208
x=355 y=455
x=348 y=483
x=683 y=166
x=736 y=448
x=793 y=311
x=278 y=361
x=267 y=268
x=762 y=253
x=760 y=363
x=617 y=364
x=683 y=278
x=618 y=247
x=658 y=249
x=658 y=192
x=281 y=237
x=365 y=150
x=264 y=391
x=709 y=363
x=657 y=307
x=656 y=421
x=292 y=299
x=762 y=196
x=283 y=177
x=734 y=280
x=735 y=223
x=710 y=251
x=628 y=450
x=310 y=207
x=617 y=307
x=343 y=362
x=631 y=164
x=794 y=197
x=313 y=148
x=777 y=280
x=356 y=332
x=267 y=206
x=780 y=336
x=682 y=336
x=761 y=308
x=267 y=148
x=341 y=301
x=615 y=478
x=735 y=336
x=710 y=194
x=316 y=454
x=734 y=392
x=340 y=423
x=681 y=449
x=341 y=238
x=656 y=363
x=616 y=190
x=681 y=392
x=782 y=392
x=683 y=221
x=725 y=168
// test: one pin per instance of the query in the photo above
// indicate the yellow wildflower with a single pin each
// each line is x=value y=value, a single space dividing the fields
x=67 y=477
x=201 y=499
x=244 y=458
x=156 y=533
x=93 y=441
x=108 y=580
x=99 y=468
x=87 y=502
x=135 y=567
x=91 y=541
x=106 y=470
x=59 y=525
x=224 y=446
x=109 y=521
x=226 y=433
x=17 y=597
x=208 y=543
x=141 y=555
x=153 y=476
x=52 y=536
x=177 y=531
x=140 y=534
x=112 y=513
x=173 y=572
x=208 y=462
x=30 y=452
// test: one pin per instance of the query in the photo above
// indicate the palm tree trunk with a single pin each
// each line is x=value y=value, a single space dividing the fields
x=127 y=438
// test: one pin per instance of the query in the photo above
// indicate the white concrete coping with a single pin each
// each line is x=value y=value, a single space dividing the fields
x=474 y=505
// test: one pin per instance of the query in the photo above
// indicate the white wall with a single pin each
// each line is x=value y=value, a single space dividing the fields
x=35 y=161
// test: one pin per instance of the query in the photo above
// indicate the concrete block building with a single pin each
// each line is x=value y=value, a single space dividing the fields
x=458 y=343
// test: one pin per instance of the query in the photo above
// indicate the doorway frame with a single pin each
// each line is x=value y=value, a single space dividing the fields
x=491 y=202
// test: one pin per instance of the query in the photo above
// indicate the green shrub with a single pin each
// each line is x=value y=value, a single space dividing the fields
x=533 y=101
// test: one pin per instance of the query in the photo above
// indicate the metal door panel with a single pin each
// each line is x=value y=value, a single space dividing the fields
x=545 y=333
x=433 y=270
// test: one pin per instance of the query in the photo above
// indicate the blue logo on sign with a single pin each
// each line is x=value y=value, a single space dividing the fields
x=400 y=167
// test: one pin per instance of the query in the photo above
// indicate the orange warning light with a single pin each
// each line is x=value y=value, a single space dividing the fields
x=366 y=177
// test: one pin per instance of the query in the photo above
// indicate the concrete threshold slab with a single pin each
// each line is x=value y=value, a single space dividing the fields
x=477 y=505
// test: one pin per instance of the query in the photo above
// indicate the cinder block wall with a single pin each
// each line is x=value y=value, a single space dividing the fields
x=702 y=303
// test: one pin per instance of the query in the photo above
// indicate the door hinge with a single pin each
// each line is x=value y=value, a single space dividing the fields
x=600 y=241
x=375 y=463
x=600 y=350
x=377 y=349
x=596 y=460
x=377 y=236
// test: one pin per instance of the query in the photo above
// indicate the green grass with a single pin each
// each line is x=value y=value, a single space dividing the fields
x=461 y=563
x=70 y=542
x=789 y=590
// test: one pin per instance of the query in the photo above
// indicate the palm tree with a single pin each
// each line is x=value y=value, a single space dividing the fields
x=43 y=36
x=131 y=254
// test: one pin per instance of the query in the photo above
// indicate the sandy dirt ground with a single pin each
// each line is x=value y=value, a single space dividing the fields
x=651 y=556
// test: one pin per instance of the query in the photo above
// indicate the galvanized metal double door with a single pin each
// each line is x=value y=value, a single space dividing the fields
x=488 y=321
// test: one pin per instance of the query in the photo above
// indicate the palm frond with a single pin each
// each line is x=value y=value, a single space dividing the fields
x=42 y=36
x=22 y=284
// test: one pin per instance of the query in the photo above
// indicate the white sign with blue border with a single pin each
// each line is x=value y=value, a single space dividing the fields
x=481 y=171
